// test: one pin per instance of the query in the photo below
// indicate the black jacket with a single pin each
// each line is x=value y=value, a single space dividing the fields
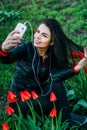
x=29 y=69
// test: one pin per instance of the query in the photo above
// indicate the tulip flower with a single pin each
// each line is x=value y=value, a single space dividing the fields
x=75 y=54
x=5 y=126
x=9 y=110
x=75 y=63
x=52 y=97
x=35 y=30
x=34 y=95
x=11 y=97
x=86 y=70
x=25 y=95
x=53 y=113
x=81 y=55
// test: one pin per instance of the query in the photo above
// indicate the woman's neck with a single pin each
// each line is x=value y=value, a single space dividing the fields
x=42 y=52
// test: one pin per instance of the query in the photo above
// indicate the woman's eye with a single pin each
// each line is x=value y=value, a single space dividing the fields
x=44 y=35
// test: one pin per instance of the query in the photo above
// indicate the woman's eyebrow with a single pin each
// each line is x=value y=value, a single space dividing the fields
x=43 y=32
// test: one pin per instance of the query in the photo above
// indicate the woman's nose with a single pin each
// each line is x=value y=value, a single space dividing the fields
x=38 y=36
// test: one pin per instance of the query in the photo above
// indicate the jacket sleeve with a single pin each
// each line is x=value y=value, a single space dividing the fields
x=14 y=54
x=64 y=74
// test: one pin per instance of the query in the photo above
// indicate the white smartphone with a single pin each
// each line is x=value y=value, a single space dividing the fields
x=21 y=28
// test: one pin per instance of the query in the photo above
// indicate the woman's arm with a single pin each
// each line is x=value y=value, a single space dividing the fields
x=11 y=41
x=11 y=49
x=67 y=73
x=63 y=74
x=17 y=53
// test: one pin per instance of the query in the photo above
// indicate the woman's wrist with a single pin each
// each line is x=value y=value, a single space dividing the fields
x=3 y=52
x=80 y=64
x=76 y=69
x=85 y=58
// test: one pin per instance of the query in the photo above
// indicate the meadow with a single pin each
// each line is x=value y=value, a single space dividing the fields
x=72 y=15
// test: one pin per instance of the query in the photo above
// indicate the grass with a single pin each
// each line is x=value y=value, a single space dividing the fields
x=72 y=15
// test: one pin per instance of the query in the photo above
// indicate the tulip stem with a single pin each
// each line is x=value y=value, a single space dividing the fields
x=41 y=110
x=31 y=109
x=52 y=127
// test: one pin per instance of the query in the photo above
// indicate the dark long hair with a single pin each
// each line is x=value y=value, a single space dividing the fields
x=62 y=45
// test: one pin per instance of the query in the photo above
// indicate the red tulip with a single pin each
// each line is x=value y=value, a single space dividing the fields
x=34 y=95
x=86 y=70
x=75 y=63
x=53 y=113
x=75 y=54
x=81 y=55
x=5 y=126
x=53 y=97
x=9 y=110
x=11 y=97
x=35 y=30
x=25 y=95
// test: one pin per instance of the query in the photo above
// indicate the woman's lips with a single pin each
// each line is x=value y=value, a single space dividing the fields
x=37 y=41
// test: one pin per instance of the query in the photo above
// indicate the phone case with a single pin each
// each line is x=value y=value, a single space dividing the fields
x=21 y=28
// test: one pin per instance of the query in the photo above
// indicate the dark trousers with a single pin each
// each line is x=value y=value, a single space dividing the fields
x=44 y=100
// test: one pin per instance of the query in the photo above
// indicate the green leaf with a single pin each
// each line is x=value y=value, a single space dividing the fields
x=70 y=94
x=75 y=108
x=59 y=120
x=82 y=103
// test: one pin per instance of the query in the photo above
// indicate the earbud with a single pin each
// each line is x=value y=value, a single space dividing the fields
x=51 y=43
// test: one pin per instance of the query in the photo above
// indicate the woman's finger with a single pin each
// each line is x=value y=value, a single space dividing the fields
x=13 y=32
x=16 y=41
x=14 y=38
x=85 y=52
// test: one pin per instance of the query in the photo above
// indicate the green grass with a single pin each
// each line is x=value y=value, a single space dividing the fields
x=72 y=15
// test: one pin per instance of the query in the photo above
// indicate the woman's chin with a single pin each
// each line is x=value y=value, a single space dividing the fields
x=36 y=45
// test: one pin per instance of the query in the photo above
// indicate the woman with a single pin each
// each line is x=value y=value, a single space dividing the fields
x=42 y=65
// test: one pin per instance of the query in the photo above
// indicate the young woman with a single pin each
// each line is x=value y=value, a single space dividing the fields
x=42 y=65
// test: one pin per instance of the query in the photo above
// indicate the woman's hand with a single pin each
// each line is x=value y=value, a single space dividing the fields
x=85 y=53
x=11 y=41
x=82 y=62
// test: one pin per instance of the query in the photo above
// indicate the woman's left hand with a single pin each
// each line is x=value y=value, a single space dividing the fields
x=82 y=62
x=85 y=53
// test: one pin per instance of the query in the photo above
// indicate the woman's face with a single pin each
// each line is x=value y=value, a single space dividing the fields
x=42 y=37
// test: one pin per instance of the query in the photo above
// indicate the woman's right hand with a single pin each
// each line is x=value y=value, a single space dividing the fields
x=11 y=41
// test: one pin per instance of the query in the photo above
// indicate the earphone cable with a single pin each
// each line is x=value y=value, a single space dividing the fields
x=27 y=22
x=36 y=77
